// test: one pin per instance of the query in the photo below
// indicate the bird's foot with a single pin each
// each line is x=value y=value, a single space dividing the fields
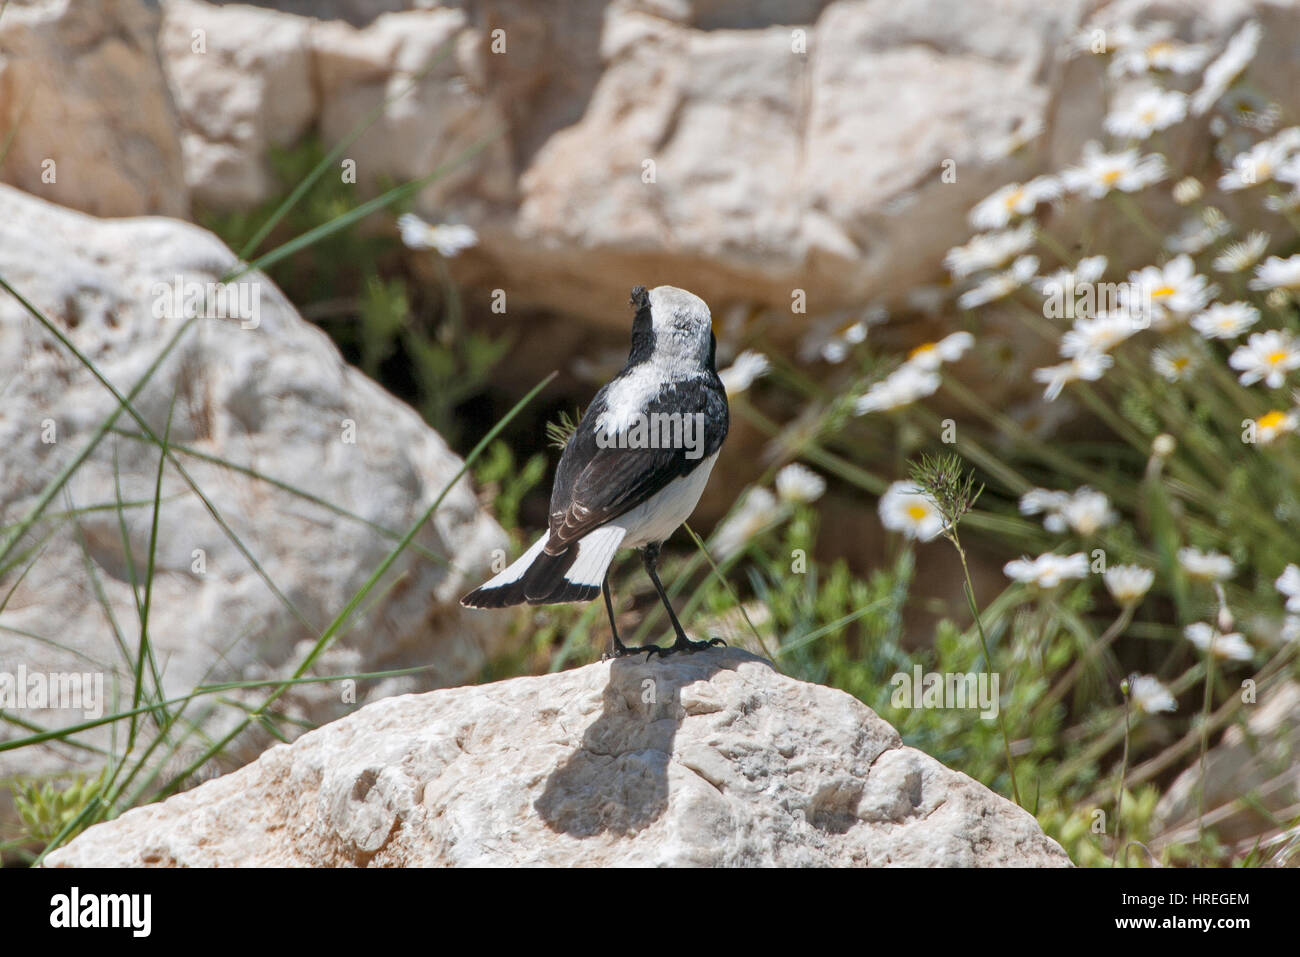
x=682 y=644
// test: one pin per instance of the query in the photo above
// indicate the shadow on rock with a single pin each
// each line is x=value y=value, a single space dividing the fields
x=617 y=781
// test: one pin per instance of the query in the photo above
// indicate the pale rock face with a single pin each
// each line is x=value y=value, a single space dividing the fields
x=85 y=113
x=705 y=759
x=277 y=399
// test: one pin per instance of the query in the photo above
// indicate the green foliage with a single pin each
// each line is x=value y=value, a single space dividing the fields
x=47 y=809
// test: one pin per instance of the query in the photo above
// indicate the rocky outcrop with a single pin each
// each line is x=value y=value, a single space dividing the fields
x=293 y=477
x=706 y=759
x=86 y=118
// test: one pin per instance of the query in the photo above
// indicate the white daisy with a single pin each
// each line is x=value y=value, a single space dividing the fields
x=1065 y=282
x=1127 y=584
x=1225 y=320
x=798 y=484
x=1275 y=424
x=1150 y=695
x=1188 y=190
x=1210 y=566
x=1238 y=257
x=1224 y=69
x=1099 y=335
x=905 y=509
x=1249 y=109
x=1286 y=203
x=742 y=373
x=1277 y=273
x=1000 y=285
x=1259 y=164
x=1198 y=233
x=1088 y=367
x=902 y=387
x=1288 y=583
x=1100 y=172
x=1049 y=570
x=1176 y=362
x=1207 y=638
x=932 y=355
x=1013 y=201
x=1268 y=356
x=449 y=239
x=759 y=510
x=1160 y=54
x=1164 y=294
x=1144 y=110
x=1085 y=510
x=1227 y=66
x=1290 y=628
x=988 y=250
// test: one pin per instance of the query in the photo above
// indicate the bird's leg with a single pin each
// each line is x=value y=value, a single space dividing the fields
x=650 y=556
x=620 y=650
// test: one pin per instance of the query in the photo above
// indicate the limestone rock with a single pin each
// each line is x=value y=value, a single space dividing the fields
x=706 y=759
x=260 y=398
x=83 y=96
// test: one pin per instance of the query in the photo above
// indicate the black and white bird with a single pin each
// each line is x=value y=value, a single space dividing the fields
x=633 y=470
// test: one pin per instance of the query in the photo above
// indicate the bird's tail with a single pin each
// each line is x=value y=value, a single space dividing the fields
x=540 y=578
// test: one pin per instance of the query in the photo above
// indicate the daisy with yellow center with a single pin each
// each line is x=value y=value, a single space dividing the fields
x=1099 y=172
x=903 y=508
x=1267 y=356
x=1272 y=425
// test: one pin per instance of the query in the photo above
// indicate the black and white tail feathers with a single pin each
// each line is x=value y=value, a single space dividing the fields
x=540 y=578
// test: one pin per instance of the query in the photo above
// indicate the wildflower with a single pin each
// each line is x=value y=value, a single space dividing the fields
x=931 y=355
x=1166 y=293
x=1085 y=511
x=1163 y=445
x=1014 y=201
x=1209 y=566
x=1207 y=638
x=1291 y=628
x=1259 y=164
x=1029 y=128
x=1000 y=285
x=795 y=484
x=742 y=373
x=901 y=387
x=1128 y=583
x=1065 y=281
x=759 y=510
x=1239 y=257
x=1100 y=172
x=988 y=250
x=904 y=509
x=449 y=239
x=1266 y=355
x=1176 y=362
x=832 y=337
x=1225 y=320
x=1049 y=570
x=1274 y=424
x=1188 y=190
x=1251 y=110
x=1227 y=66
x=1146 y=110
x=1288 y=583
x=1085 y=367
x=1161 y=53
x=1287 y=203
x=1198 y=232
x=1100 y=334
x=1150 y=695
x=1277 y=273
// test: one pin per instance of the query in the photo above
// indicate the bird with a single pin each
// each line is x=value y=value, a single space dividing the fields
x=633 y=470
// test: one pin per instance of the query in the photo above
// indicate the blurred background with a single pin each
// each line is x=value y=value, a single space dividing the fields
x=431 y=207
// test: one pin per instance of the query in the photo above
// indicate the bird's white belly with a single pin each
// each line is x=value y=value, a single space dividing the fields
x=663 y=513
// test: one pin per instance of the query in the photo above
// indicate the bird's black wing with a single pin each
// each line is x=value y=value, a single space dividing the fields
x=595 y=485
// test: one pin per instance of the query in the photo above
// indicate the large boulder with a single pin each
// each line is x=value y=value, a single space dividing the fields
x=310 y=471
x=713 y=758
x=86 y=118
